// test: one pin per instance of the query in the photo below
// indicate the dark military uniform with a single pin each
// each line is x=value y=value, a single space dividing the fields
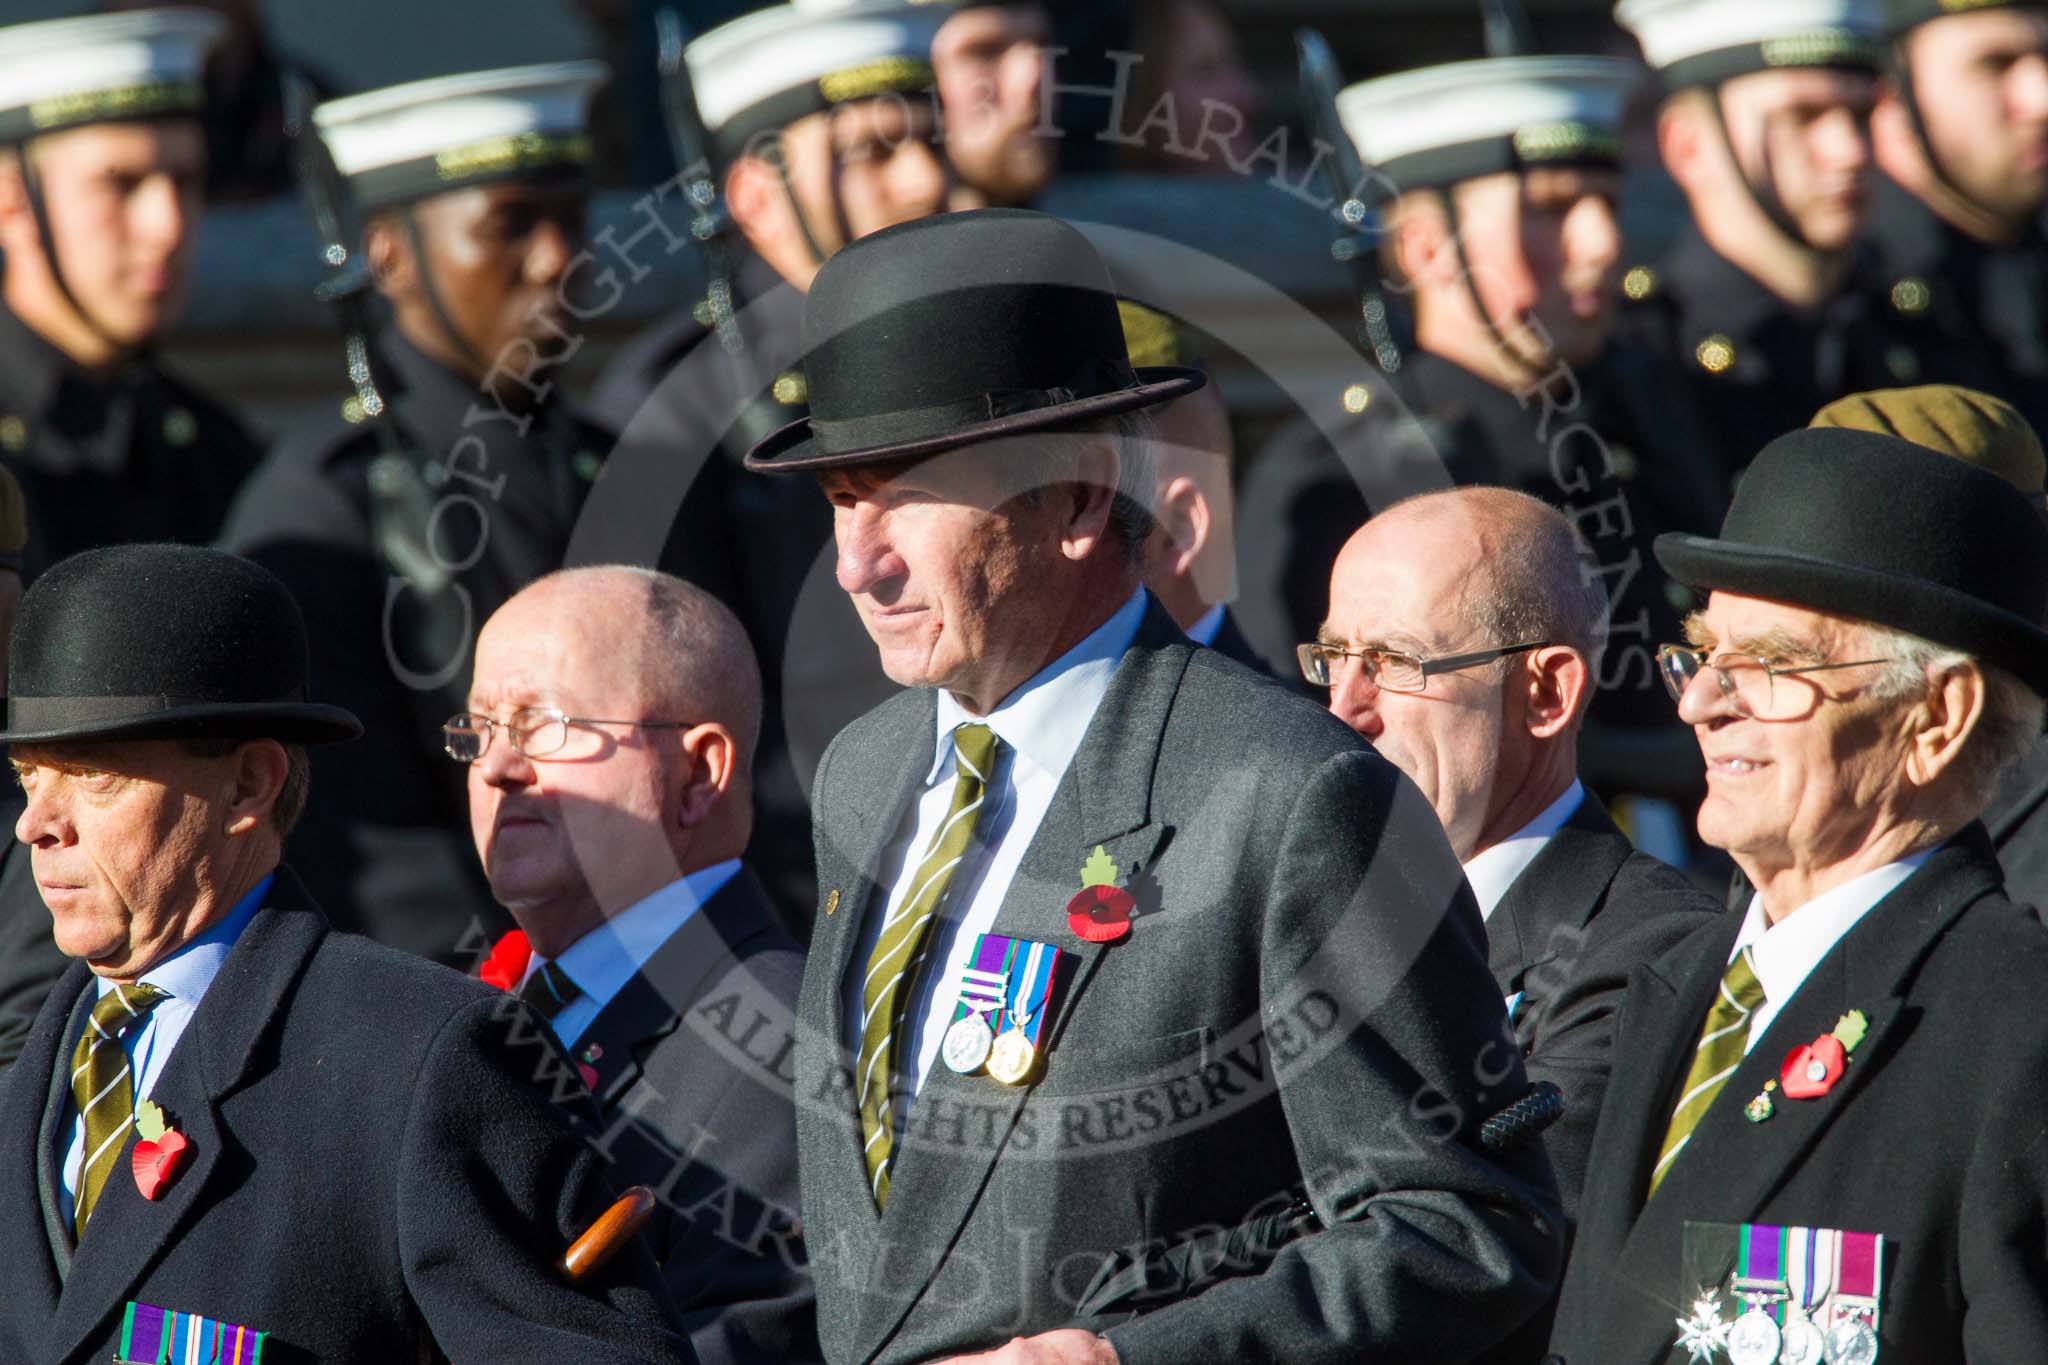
x=1987 y=303
x=136 y=455
x=1757 y=367
x=761 y=546
x=1623 y=462
x=385 y=839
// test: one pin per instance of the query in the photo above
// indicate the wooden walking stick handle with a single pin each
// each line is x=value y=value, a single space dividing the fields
x=602 y=1240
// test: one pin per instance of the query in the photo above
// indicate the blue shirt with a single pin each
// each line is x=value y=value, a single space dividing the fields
x=606 y=958
x=184 y=977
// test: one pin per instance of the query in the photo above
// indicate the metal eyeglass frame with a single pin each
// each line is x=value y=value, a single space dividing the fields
x=1304 y=656
x=488 y=727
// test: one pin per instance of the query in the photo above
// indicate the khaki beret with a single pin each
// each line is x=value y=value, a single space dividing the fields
x=1985 y=431
x=1150 y=336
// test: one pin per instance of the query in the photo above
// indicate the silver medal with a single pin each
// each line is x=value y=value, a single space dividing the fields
x=1754 y=1339
x=1803 y=1343
x=1851 y=1343
x=967 y=1044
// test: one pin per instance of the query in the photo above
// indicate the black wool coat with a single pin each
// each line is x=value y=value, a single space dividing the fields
x=1935 y=1135
x=371 y=1174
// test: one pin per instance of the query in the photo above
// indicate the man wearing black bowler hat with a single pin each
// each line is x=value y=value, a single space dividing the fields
x=1147 y=1016
x=230 y=1126
x=1823 y=1135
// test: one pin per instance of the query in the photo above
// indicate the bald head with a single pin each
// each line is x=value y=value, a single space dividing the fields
x=652 y=780
x=1461 y=572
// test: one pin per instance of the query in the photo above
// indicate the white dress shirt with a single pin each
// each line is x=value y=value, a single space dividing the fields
x=606 y=958
x=1786 y=953
x=1492 y=872
x=1203 y=631
x=1041 y=725
x=183 y=977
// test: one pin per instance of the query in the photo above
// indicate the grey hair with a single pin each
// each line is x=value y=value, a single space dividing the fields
x=2012 y=716
x=291 y=796
x=1134 y=436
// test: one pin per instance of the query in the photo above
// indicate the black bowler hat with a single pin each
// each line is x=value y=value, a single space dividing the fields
x=162 y=642
x=944 y=331
x=1869 y=526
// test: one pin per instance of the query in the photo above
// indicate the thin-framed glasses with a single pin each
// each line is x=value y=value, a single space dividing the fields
x=1392 y=670
x=533 y=732
x=1749 y=682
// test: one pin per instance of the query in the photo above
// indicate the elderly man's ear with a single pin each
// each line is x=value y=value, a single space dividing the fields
x=1555 y=680
x=256 y=777
x=714 y=761
x=1942 y=724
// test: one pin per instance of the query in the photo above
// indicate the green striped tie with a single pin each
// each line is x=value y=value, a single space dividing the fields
x=103 y=1089
x=549 y=991
x=901 y=948
x=1723 y=1041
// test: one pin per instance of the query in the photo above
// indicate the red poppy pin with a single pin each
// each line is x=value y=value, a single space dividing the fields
x=1812 y=1070
x=1101 y=911
x=160 y=1151
x=507 y=963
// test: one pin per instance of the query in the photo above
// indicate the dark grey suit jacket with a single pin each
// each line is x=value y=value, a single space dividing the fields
x=372 y=1174
x=1301 y=1005
x=1548 y=938
x=2018 y=820
x=1935 y=1136
x=693 y=1068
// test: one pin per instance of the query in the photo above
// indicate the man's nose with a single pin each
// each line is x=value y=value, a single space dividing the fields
x=1354 y=698
x=865 y=556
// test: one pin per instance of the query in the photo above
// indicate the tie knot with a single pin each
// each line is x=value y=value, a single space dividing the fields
x=974 y=752
x=549 y=990
x=123 y=1007
x=1739 y=983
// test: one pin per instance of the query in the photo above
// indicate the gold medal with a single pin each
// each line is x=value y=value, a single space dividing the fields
x=1012 y=1059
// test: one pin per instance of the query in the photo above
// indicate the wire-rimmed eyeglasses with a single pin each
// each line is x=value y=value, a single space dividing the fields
x=1392 y=670
x=533 y=732
x=1747 y=681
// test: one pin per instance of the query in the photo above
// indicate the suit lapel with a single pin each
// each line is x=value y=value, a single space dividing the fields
x=1555 y=894
x=871 y=806
x=650 y=1005
x=1105 y=798
x=1732 y=1168
x=219 y=1047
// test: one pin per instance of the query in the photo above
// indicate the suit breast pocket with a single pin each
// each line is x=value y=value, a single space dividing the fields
x=1083 y=1064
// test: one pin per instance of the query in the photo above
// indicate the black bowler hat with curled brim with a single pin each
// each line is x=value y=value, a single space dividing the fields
x=1869 y=526
x=162 y=642
x=956 y=329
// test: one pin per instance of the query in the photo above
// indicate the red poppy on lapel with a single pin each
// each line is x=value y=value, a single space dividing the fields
x=160 y=1151
x=1101 y=911
x=507 y=962
x=1811 y=1071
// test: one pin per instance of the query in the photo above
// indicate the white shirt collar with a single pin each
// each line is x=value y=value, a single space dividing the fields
x=1492 y=872
x=1043 y=720
x=606 y=958
x=1203 y=631
x=1786 y=953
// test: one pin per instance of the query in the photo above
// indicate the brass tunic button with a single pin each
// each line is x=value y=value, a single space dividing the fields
x=791 y=390
x=1911 y=296
x=13 y=434
x=1639 y=283
x=1715 y=354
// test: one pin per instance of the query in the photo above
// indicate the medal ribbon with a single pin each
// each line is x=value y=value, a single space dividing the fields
x=1029 y=988
x=1859 y=1270
x=1760 y=1266
x=1810 y=1272
x=993 y=954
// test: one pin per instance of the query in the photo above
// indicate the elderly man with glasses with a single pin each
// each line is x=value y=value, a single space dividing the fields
x=1823 y=1135
x=1464 y=632
x=611 y=730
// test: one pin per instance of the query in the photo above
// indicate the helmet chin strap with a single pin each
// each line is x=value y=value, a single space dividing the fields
x=32 y=190
x=796 y=208
x=443 y=320
x=1531 y=367
x=1764 y=196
